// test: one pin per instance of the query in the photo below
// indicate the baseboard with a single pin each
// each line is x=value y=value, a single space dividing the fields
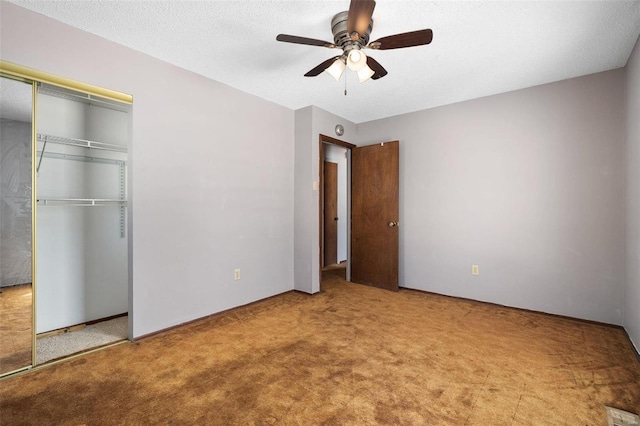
x=635 y=350
x=559 y=316
x=80 y=326
x=306 y=293
x=213 y=315
x=12 y=286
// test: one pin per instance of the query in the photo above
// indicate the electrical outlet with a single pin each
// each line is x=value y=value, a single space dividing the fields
x=475 y=270
x=236 y=274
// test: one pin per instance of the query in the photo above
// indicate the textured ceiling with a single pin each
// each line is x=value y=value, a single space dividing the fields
x=479 y=48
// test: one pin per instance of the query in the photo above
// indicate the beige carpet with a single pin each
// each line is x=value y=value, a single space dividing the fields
x=92 y=336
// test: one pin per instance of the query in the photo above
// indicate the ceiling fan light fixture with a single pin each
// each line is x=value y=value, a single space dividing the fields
x=351 y=31
x=336 y=69
x=365 y=73
x=356 y=60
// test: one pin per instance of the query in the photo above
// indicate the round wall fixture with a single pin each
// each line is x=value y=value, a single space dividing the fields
x=339 y=130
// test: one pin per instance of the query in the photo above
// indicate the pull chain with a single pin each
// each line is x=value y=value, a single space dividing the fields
x=345 y=84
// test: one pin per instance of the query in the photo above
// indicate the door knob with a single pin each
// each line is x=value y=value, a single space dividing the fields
x=392 y=224
x=335 y=218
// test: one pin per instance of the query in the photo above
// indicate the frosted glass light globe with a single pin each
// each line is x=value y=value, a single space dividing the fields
x=356 y=60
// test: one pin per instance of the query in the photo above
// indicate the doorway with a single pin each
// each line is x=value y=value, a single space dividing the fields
x=334 y=208
x=372 y=213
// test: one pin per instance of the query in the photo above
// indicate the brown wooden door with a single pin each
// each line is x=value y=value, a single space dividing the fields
x=374 y=215
x=330 y=190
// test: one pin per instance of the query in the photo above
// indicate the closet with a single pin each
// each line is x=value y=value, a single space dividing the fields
x=81 y=195
x=76 y=236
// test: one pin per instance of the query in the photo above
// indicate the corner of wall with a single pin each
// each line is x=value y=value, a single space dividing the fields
x=302 y=201
x=310 y=122
x=631 y=310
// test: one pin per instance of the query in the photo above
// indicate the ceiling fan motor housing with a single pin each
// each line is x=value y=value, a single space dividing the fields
x=341 y=35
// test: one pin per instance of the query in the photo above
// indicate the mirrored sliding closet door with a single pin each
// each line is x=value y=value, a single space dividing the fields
x=16 y=221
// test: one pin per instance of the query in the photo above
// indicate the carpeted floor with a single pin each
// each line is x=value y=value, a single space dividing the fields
x=349 y=355
x=92 y=336
x=16 y=337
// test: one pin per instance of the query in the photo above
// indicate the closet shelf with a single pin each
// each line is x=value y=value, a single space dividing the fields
x=85 y=98
x=80 y=143
x=83 y=202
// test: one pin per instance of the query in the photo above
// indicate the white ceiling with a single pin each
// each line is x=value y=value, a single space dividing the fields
x=479 y=48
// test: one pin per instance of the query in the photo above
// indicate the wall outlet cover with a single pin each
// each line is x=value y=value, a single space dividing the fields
x=616 y=417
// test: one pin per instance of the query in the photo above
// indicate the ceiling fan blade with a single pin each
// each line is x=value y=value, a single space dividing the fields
x=397 y=41
x=360 y=13
x=304 y=40
x=378 y=70
x=323 y=66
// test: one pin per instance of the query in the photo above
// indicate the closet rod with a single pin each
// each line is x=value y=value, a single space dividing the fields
x=81 y=143
x=84 y=98
x=82 y=158
x=82 y=202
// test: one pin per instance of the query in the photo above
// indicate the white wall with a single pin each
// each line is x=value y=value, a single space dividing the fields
x=211 y=172
x=632 y=288
x=526 y=184
x=304 y=226
x=311 y=122
x=337 y=154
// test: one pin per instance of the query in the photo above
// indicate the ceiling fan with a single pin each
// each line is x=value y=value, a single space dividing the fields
x=351 y=30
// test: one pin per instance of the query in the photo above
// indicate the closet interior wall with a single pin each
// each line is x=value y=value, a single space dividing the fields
x=82 y=262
